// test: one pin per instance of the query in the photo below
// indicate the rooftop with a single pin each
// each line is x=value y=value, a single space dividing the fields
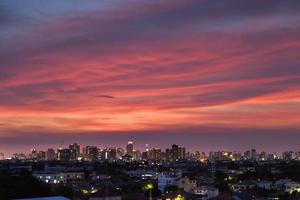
x=47 y=198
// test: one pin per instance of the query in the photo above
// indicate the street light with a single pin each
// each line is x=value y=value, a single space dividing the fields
x=149 y=187
x=179 y=197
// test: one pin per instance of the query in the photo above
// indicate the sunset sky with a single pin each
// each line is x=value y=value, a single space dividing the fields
x=207 y=74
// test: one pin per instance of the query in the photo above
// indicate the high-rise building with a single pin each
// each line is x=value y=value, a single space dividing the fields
x=163 y=156
x=91 y=153
x=181 y=153
x=19 y=156
x=41 y=155
x=50 y=154
x=263 y=156
x=120 y=153
x=145 y=155
x=75 y=151
x=297 y=155
x=247 y=155
x=287 y=155
x=129 y=148
x=272 y=156
x=197 y=156
x=137 y=155
x=103 y=154
x=200 y=156
x=253 y=155
x=112 y=154
x=169 y=155
x=236 y=156
x=33 y=154
x=154 y=154
x=63 y=155
x=2 y=156
x=175 y=152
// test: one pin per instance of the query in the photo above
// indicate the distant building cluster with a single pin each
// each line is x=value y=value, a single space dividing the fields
x=75 y=152
x=170 y=174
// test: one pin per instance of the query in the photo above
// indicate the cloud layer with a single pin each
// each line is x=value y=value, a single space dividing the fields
x=111 y=67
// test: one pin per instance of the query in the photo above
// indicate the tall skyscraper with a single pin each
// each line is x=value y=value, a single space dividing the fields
x=112 y=154
x=145 y=155
x=181 y=153
x=129 y=148
x=120 y=153
x=75 y=151
x=33 y=154
x=41 y=155
x=169 y=155
x=63 y=155
x=50 y=154
x=1 y=156
x=287 y=155
x=154 y=154
x=247 y=154
x=91 y=153
x=102 y=154
x=253 y=154
x=136 y=155
x=175 y=152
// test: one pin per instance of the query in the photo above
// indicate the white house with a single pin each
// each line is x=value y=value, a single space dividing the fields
x=165 y=180
x=287 y=185
x=206 y=192
x=267 y=185
x=186 y=184
x=243 y=185
x=60 y=177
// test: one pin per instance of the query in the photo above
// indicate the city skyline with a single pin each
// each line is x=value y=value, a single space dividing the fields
x=204 y=74
x=76 y=152
x=136 y=147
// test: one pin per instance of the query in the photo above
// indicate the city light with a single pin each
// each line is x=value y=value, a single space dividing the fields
x=149 y=186
x=179 y=197
x=156 y=100
x=84 y=191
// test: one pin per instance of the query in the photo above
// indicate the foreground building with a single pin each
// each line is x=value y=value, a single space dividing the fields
x=287 y=185
x=205 y=192
x=166 y=180
x=53 y=177
x=186 y=184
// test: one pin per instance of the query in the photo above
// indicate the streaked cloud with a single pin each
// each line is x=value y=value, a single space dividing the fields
x=141 y=66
